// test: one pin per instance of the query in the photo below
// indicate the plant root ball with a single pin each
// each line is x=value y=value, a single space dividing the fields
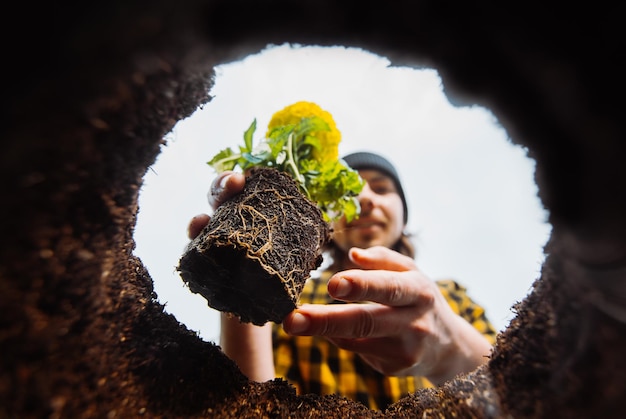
x=258 y=250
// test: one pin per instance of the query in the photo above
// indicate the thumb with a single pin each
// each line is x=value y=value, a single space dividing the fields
x=224 y=187
x=381 y=258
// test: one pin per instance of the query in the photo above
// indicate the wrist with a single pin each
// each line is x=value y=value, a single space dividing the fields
x=467 y=350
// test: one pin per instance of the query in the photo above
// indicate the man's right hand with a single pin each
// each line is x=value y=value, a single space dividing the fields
x=248 y=345
x=223 y=188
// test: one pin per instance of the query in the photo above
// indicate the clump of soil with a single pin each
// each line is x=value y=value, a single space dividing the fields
x=258 y=250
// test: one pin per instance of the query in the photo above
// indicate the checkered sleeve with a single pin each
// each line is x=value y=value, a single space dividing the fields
x=463 y=305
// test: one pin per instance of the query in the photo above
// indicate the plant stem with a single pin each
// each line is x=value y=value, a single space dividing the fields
x=291 y=161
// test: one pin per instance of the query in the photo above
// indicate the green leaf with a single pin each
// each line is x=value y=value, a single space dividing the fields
x=247 y=136
x=309 y=125
x=333 y=186
x=252 y=159
x=224 y=160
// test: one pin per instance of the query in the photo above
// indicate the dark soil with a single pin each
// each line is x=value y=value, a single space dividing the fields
x=97 y=88
x=254 y=256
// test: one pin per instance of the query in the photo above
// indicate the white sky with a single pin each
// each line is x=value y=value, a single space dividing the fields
x=472 y=199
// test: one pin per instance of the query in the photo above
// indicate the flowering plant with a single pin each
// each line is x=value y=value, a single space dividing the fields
x=302 y=141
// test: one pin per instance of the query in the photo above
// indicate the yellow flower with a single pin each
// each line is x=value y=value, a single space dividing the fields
x=329 y=140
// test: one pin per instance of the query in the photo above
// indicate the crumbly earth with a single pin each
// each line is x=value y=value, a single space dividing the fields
x=90 y=93
x=259 y=248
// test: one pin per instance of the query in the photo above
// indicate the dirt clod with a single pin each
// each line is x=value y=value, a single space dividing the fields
x=254 y=256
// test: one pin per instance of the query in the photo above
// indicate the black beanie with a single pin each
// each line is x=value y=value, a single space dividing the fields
x=365 y=160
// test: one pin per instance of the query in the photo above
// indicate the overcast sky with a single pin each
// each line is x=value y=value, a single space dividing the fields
x=473 y=203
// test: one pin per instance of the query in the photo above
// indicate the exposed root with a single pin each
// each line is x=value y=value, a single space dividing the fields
x=258 y=250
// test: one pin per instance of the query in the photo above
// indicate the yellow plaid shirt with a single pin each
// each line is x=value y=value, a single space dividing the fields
x=314 y=365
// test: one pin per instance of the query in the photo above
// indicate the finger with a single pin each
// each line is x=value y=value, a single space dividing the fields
x=381 y=257
x=196 y=225
x=377 y=353
x=377 y=349
x=372 y=347
x=224 y=187
x=348 y=320
x=396 y=289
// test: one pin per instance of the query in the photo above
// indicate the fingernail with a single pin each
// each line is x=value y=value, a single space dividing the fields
x=299 y=323
x=354 y=251
x=223 y=181
x=343 y=288
x=218 y=187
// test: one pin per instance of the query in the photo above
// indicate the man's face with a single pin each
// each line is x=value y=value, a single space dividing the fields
x=381 y=220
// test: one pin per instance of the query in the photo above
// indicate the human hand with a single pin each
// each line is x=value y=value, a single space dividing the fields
x=408 y=328
x=248 y=345
x=223 y=187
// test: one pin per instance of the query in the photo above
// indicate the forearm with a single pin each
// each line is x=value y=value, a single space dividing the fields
x=249 y=346
x=467 y=350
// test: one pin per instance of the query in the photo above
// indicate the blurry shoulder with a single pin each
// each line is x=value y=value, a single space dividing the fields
x=452 y=286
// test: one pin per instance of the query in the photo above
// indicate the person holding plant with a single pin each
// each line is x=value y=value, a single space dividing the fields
x=371 y=326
